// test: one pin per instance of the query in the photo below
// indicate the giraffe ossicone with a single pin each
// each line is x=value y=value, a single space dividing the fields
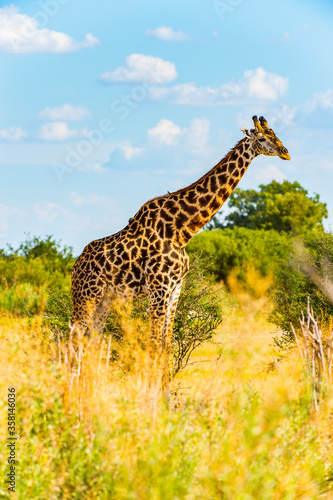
x=148 y=256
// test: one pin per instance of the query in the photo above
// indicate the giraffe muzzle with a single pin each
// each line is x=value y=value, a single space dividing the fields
x=284 y=154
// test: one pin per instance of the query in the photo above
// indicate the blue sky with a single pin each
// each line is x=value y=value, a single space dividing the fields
x=105 y=105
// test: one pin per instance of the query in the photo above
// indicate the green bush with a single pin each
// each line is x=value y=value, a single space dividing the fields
x=237 y=249
x=38 y=262
x=292 y=286
x=29 y=271
x=198 y=314
x=23 y=299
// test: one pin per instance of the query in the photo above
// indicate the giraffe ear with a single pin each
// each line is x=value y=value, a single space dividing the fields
x=247 y=132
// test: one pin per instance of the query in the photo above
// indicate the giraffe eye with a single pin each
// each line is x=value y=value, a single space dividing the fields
x=262 y=139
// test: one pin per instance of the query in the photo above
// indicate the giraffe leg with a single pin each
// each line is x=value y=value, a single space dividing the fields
x=158 y=306
x=84 y=308
x=167 y=331
x=162 y=313
x=82 y=319
x=101 y=313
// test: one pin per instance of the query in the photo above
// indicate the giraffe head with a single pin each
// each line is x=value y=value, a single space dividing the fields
x=265 y=140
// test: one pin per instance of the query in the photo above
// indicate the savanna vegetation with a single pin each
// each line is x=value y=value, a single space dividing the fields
x=241 y=420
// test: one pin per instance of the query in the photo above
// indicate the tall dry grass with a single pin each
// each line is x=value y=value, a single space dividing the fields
x=236 y=425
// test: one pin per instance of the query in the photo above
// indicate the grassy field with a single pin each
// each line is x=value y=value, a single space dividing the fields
x=238 y=424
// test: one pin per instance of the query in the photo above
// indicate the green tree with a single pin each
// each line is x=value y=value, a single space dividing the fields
x=237 y=249
x=283 y=206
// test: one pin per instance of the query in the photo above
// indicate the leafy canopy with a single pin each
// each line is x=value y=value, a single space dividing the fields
x=282 y=206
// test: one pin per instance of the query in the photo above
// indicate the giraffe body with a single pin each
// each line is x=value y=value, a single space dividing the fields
x=148 y=256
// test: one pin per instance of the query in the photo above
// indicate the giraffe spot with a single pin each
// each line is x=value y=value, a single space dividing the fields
x=155 y=267
x=134 y=252
x=240 y=162
x=125 y=266
x=180 y=220
x=187 y=236
x=118 y=261
x=194 y=225
x=200 y=189
x=205 y=182
x=204 y=200
x=95 y=267
x=174 y=210
x=213 y=184
x=119 y=248
x=144 y=254
x=168 y=230
x=169 y=204
x=137 y=272
x=118 y=279
x=246 y=155
x=164 y=215
x=191 y=197
x=223 y=178
x=160 y=228
x=204 y=214
x=214 y=205
x=129 y=244
x=166 y=247
x=190 y=209
x=231 y=167
x=152 y=205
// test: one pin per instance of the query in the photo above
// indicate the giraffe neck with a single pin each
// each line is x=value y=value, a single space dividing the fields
x=200 y=201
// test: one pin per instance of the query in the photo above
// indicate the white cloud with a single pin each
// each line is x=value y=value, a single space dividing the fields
x=13 y=134
x=65 y=112
x=139 y=67
x=129 y=150
x=256 y=84
x=194 y=137
x=264 y=85
x=57 y=131
x=165 y=132
x=167 y=34
x=320 y=100
x=20 y=34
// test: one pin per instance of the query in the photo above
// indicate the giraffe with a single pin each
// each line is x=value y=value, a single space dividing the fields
x=148 y=256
